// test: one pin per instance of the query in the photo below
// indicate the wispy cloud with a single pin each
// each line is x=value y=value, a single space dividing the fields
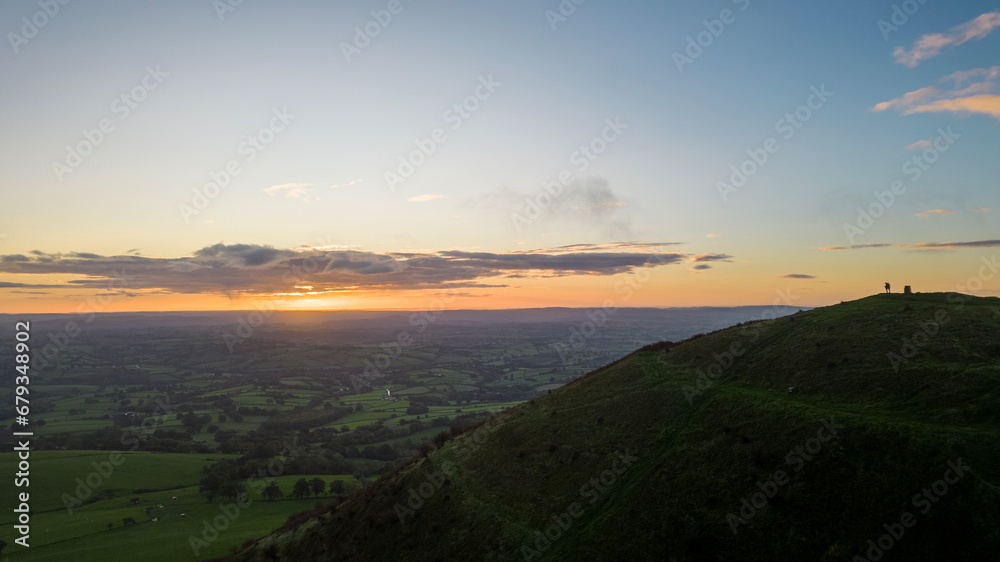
x=712 y=235
x=854 y=247
x=953 y=245
x=700 y=267
x=293 y=190
x=348 y=184
x=926 y=214
x=424 y=197
x=982 y=210
x=797 y=276
x=588 y=203
x=6 y=285
x=922 y=245
x=930 y=45
x=958 y=97
x=711 y=257
x=986 y=103
x=919 y=144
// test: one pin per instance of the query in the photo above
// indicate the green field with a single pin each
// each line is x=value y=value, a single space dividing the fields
x=81 y=532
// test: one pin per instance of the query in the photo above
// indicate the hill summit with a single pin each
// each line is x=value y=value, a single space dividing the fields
x=866 y=430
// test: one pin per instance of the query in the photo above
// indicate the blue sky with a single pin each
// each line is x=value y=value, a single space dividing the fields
x=220 y=76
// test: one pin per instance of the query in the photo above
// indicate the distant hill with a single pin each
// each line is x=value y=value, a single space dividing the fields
x=861 y=431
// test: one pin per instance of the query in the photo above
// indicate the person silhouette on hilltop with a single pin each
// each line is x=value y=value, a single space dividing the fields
x=887 y=287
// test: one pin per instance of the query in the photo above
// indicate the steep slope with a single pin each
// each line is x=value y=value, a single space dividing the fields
x=889 y=441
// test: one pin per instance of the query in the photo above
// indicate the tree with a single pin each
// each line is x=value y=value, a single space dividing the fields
x=337 y=487
x=318 y=486
x=271 y=491
x=415 y=409
x=301 y=488
x=232 y=490
x=212 y=484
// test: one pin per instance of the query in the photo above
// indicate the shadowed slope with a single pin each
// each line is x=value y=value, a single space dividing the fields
x=699 y=451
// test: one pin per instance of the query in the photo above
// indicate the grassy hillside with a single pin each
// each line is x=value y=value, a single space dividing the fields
x=801 y=438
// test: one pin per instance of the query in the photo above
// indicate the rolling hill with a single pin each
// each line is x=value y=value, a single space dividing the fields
x=861 y=431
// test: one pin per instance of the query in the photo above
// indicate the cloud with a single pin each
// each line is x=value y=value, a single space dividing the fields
x=797 y=276
x=926 y=214
x=930 y=45
x=922 y=245
x=919 y=144
x=982 y=210
x=700 y=267
x=424 y=197
x=251 y=269
x=243 y=254
x=293 y=190
x=988 y=104
x=908 y=99
x=712 y=235
x=854 y=247
x=589 y=203
x=348 y=184
x=959 y=97
x=962 y=76
x=615 y=246
x=711 y=257
x=953 y=245
x=6 y=285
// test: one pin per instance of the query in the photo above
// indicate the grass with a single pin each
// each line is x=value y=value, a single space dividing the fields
x=82 y=534
x=703 y=445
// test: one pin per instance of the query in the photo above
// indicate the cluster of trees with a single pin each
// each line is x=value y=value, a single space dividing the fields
x=223 y=480
x=303 y=488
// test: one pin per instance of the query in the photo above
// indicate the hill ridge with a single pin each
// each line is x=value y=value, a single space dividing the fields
x=699 y=458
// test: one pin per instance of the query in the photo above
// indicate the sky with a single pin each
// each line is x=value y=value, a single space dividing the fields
x=408 y=154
